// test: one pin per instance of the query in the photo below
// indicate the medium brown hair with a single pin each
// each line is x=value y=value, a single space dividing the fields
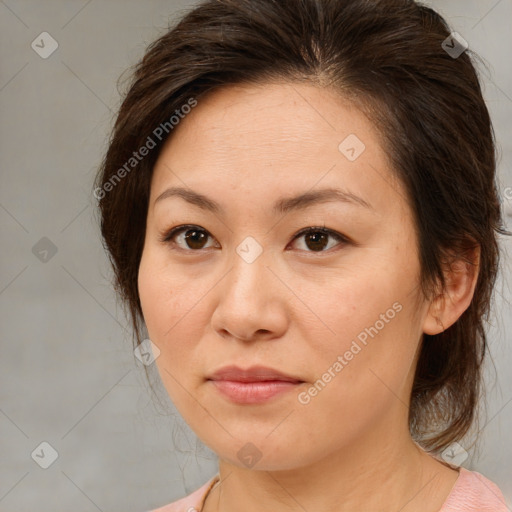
x=387 y=57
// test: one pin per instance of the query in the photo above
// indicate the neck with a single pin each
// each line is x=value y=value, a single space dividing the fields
x=385 y=474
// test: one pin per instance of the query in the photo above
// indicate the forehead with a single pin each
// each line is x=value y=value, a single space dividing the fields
x=250 y=117
x=257 y=138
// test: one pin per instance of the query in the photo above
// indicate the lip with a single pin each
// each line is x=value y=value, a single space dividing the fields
x=254 y=385
x=252 y=374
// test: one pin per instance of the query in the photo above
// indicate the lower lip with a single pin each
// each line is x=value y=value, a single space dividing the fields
x=253 y=392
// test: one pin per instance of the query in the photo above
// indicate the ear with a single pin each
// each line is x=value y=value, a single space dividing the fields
x=461 y=278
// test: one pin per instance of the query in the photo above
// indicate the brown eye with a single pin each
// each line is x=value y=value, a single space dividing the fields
x=188 y=237
x=316 y=239
x=195 y=239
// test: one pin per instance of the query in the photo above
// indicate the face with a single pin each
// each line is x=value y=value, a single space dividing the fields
x=242 y=284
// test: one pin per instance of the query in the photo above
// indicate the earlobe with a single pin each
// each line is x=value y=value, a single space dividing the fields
x=433 y=323
x=446 y=308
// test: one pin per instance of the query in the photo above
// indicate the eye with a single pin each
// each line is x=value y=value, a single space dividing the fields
x=195 y=238
x=316 y=238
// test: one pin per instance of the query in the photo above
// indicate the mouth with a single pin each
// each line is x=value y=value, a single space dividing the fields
x=253 y=392
x=253 y=385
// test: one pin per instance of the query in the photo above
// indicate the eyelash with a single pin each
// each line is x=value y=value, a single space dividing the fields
x=166 y=236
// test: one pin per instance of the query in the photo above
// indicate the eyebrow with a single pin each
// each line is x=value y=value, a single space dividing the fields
x=281 y=206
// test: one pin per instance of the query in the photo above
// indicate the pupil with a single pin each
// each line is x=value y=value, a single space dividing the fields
x=191 y=238
x=318 y=240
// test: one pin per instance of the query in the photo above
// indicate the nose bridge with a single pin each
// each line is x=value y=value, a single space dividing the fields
x=246 y=301
x=249 y=267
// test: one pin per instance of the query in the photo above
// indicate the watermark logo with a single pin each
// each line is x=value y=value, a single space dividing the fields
x=507 y=204
x=249 y=455
x=455 y=454
x=352 y=147
x=44 y=45
x=146 y=352
x=44 y=455
x=454 y=45
x=44 y=250
x=249 y=249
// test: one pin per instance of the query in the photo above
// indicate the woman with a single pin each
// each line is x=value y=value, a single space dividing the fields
x=300 y=205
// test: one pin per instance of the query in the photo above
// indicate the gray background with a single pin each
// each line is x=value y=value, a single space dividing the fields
x=67 y=372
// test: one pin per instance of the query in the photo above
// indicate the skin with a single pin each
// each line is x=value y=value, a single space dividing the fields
x=294 y=308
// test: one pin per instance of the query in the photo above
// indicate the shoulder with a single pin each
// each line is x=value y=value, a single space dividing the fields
x=473 y=492
x=191 y=503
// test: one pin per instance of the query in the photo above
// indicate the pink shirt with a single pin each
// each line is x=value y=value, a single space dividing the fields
x=472 y=492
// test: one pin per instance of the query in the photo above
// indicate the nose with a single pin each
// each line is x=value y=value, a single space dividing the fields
x=251 y=301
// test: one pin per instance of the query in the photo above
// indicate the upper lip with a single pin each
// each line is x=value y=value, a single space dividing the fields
x=252 y=374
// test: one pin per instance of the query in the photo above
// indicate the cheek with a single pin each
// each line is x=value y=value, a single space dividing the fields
x=154 y=295
x=165 y=294
x=372 y=338
x=356 y=384
x=166 y=302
